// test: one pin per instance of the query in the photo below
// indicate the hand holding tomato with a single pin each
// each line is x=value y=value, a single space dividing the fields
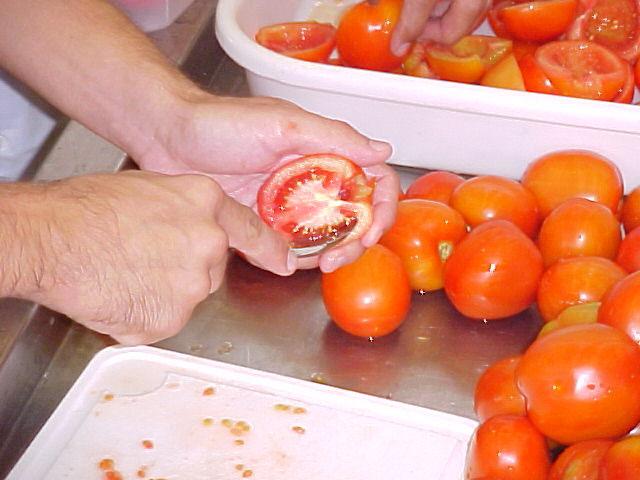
x=240 y=141
x=419 y=21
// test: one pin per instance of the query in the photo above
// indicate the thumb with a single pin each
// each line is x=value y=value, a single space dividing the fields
x=261 y=245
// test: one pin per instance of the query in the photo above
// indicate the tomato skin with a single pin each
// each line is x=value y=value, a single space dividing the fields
x=580 y=461
x=496 y=392
x=579 y=227
x=369 y=297
x=537 y=21
x=535 y=80
x=625 y=95
x=620 y=307
x=437 y=186
x=558 y=176
x=629 y=252
x=364 y=33
x=423 y=236
x=493 y=272
x=490 y=197
x=581 y=383
x=622 y=460
x=311 y=41
x=507 y=447
x=582 y=69
x=574 y=281
x=630 y=213
x=315 y=198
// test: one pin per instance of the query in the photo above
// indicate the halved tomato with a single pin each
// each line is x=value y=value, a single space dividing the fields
x=467 y=60
x=536 y=21
x=312 y=41
x=535 y=80
x=625 y=94
x=415 y=65
x=317 y=198
x=582 y=69
x=504 y=74
x=614 y=24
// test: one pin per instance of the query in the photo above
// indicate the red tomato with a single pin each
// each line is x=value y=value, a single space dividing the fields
x=436 y=186
x=574 y=315
x=614 y=24
x=310 y=41
x=631 y=210
x=622 y=460
x=493 y=272
x=625 y=95
x=468 y=59
x=496 y=392
x=370 y=297
x=535 y=80
x=504 y=74
x=621 y=306
x=580 y=461
x=581 y=383
x=364 y=35
x=536 y=21
x=490 y=197
x=578 y=228
x=317 y=198
x=636 y=74
x=558 y=176
x=574 y=281
x=629 y=251
x=582 y=69
x=507 y=447
x=424 y=236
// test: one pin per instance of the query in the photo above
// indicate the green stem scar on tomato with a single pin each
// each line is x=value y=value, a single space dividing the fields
x=317 y=199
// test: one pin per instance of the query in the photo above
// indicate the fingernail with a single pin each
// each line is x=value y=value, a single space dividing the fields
x=292 y=262
x=402 y=50
x=379 y=146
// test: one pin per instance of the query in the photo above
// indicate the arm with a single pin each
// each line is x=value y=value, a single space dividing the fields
x=133 y=268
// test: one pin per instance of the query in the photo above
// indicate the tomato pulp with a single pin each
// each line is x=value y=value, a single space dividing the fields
x=317 y=199
x=310 y=41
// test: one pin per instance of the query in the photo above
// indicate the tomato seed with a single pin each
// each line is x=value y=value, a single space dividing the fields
x=106 y=464
x=299 y=430
x=208 y=391
x=207 y=422
x=247 y=473
x=148 y=444
x=239 y=442
x=299 y=410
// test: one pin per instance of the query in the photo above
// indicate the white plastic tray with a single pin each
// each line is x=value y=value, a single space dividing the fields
x=431 y=123
x=128 y=395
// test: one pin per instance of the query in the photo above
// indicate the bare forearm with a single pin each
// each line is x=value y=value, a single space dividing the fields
x=92 y=63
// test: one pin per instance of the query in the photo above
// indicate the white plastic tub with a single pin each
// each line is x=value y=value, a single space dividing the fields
x=187 y=408
x=431 y=123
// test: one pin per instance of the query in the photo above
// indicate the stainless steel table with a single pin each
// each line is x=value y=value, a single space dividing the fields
x=256 y=319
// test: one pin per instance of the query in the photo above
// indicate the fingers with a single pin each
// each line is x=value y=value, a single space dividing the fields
x=340 y=256
x=460 y=19
x=413 y=18
x=385 y=202
x=261 y=245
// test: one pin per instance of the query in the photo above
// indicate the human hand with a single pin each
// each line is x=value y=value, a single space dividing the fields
x=422 y=20
x=240 y=141
x=132 y=254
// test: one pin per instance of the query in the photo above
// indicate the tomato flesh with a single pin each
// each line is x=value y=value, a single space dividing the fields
x=310 y=41
x=316 y=200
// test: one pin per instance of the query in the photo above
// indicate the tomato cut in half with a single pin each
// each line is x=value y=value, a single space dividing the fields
x=467 y=60
x=415 y=64
x=364 y=34
x=537 y=21
x=311 y=41
x=316 y=199
x=582 y=69
x=504 y=74
x=535 y=80
x=614 y=24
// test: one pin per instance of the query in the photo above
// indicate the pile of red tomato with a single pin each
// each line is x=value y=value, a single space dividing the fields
x=563 y=238
x=578 y=48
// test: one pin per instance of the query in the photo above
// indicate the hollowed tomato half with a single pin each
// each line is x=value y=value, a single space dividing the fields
x=537 y=21
x=311 y=41
x=582 y=69
x=317 y=198
x=467 y=60
x=614 y=24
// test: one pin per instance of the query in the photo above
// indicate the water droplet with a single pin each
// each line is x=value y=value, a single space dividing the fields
x=226 y=347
